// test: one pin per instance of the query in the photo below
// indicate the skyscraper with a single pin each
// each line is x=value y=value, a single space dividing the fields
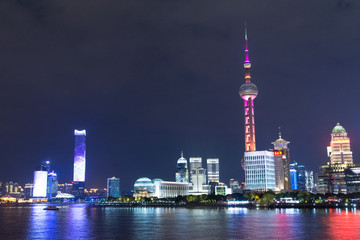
x=113 y=187
x=309 y=178
x=339 y=150
x=259 y=170
x=199 y=177
x=52 y=185
x=331 y=178
x=293 y=177
x=194 y=163
x=259 y=165
x=79 y=163
x=182 y=172
x=40 y=184
x=301 y=178
x=282 y=161
x=213 y=169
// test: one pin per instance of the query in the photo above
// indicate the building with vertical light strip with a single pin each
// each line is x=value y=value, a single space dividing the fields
x=259 y=165
x=79 y=163
x=213 y=170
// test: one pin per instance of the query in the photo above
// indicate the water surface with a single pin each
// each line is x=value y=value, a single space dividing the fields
x=80 y=221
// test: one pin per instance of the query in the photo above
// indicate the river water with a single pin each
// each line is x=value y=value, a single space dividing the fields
x=81 y=221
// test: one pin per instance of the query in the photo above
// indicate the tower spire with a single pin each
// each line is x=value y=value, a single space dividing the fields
x=248 y=91
x=246 y=46
x=279 y=132
x=182 y=154
x=247 y=64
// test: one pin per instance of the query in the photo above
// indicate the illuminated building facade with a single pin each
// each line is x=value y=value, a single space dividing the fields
x=198 y=185
x=332 y=177
x=182 y=172
x=352 y=178
x=213 y=169
x=339 y=150
x=301 y=178
x=259 y=170
x=79 y=156
x=282 y=164
x=167 y=189
x=234 y=185
x=52 y=185
x=145 y=187
x=28 y=190
x=293 y=177
x=309 y=179
x=113 y=187
x=40 y=184
x=79 y=163
x=194 y=163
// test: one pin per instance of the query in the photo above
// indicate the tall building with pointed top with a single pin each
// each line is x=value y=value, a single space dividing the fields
x=259 y=165
x=182 y=172
x=248 y=92
x=282 y=163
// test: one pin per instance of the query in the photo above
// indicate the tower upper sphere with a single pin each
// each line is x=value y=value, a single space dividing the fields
x=248 y=90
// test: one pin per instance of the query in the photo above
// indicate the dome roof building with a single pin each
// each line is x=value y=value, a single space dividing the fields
x=144 y=186
x=339 y=150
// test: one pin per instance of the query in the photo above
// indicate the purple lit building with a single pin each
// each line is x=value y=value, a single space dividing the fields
x=79 y=163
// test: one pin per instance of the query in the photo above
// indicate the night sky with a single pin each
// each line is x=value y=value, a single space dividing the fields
x=147 y=79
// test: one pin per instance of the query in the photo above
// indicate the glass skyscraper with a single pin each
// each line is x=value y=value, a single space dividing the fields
x=259 y=170
x=113 y=187
x=194 y=163
x=80 y=156
x=213 y=169
x=79 y=163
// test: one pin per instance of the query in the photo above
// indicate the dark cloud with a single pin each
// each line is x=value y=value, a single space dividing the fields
x=150 y=78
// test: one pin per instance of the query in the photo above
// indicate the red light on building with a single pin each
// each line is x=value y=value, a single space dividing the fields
x=341 y=141
x=278 y=152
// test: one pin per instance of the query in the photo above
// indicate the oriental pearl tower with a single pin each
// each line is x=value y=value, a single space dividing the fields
x=248 y=91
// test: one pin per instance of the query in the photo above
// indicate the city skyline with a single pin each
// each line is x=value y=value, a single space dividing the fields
x=144 y=91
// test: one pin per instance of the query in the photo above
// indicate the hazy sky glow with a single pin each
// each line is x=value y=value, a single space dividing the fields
x=147 y=79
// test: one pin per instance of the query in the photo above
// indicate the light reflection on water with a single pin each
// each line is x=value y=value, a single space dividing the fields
x=80 y=221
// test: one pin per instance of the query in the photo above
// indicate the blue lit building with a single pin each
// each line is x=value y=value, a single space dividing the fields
x=113 y=187
x=293 y=178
